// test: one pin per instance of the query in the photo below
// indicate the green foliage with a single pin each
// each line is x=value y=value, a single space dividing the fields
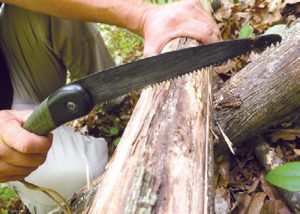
x=286 y=176
x=7 y=193
x=117 y=141
x=114 y=131
x=123 y=45
x=160 y=1
x=246 y=31
x=7 y=198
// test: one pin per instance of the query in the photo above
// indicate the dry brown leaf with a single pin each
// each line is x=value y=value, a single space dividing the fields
x=268 y=189
x=228 y=69
x=254 y=186
x=275 y=5
x=279 y=152
x=284 y=134
x=243 y=203
x=275 y=207
x=223 y=170
x=225 y=10
x=257 y=203
x=297 y=152
x=290 y=1
x=291 y=8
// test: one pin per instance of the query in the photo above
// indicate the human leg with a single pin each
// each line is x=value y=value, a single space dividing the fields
x=39 y=50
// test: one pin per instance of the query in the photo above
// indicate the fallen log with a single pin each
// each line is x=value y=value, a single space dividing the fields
x=163 y=163
x=267 y=90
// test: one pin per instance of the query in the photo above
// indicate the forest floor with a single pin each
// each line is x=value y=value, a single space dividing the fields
x=239 y=179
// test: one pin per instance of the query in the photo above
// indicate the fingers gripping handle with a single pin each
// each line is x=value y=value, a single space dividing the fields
x=67 y=103
x=40 y=121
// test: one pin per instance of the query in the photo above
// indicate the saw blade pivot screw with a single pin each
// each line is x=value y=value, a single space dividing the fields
x=72 y=107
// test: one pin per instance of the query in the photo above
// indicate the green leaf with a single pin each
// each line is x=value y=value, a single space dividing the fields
x=116 y=142
x=286 y=176
x=246 y=31
x=114 y=131
x=276 y=29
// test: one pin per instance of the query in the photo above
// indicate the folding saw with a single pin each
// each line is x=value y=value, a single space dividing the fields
x=78 y=98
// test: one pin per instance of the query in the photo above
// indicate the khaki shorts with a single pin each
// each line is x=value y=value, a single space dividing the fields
x=39 y=51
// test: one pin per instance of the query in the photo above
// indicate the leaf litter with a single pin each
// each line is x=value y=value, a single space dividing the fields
x=239 y=180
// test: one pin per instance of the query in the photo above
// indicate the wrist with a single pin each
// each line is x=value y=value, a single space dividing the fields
x=142 y=19
x=131 y=15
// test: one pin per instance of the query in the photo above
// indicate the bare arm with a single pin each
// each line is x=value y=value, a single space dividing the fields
x=157 y=24
x=124 y=13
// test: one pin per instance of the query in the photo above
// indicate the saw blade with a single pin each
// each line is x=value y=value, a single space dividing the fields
x=114 y=82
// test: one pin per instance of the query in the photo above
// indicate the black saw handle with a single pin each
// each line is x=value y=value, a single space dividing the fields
x=67 y=103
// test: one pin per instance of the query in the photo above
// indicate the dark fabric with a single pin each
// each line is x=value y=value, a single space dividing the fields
x=6 y=90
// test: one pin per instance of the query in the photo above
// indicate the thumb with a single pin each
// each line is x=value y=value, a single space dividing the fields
x=154 y=46
x=150 y=50
x=23 y=115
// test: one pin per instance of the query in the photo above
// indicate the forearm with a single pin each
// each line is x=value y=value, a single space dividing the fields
x=124 y=13
x=157 y=24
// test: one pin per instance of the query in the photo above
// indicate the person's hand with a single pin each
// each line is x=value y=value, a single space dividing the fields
x=161 y=24
x=21 y=152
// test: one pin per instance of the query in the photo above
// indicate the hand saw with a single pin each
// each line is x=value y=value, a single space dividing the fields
x=78 y=98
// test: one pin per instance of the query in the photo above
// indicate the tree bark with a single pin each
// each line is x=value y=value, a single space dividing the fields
x=163 y=162
x=267 y=90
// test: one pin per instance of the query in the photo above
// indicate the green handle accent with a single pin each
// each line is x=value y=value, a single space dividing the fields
x=67 y=103
x=40 y=121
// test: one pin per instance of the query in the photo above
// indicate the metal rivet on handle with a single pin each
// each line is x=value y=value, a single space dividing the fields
x=71 y=106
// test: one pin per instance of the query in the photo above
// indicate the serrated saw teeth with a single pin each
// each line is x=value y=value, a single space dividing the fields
x=172 y=65
x=263 y=42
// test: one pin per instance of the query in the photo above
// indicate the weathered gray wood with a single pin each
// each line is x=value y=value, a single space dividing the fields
x=169 y=140
x=268 y=90
x=164 y=161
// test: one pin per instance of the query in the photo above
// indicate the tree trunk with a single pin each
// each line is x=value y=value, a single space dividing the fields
x=163 y=162
x=267 y=89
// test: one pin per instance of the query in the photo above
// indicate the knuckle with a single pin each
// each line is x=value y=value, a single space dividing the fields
x=39 y=160
x=2 y=151
x=25 y=146
x=5 y=170
x=209 y=30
